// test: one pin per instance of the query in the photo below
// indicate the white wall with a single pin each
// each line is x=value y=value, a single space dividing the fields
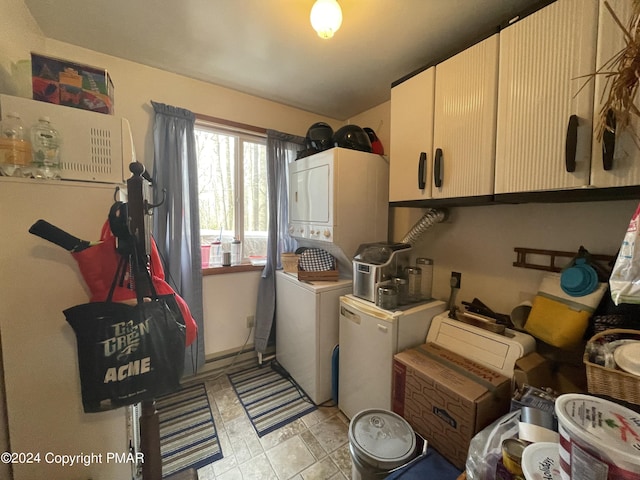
x=231 y=300
x=17 y=29
x=479 y=243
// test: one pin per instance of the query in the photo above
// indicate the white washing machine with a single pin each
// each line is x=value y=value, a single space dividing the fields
x=307 y=330
x=369 y=338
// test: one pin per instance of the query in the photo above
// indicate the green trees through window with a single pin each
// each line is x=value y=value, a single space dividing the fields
x=232 y=187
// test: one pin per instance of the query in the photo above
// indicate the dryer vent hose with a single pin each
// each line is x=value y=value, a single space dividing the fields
x=430 y=218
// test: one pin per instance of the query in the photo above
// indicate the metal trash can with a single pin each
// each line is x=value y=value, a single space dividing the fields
x=381 y=442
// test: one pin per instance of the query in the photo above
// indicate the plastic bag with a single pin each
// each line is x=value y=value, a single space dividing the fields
x=485 y=449
x=625 y=276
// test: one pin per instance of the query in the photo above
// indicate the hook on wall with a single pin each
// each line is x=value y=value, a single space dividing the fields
x=148 y=206
x=119 y=195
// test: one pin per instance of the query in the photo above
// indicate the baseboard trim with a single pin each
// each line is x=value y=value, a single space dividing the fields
x=231 y=361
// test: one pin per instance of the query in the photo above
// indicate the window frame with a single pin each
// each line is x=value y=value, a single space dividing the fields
x=244 y=133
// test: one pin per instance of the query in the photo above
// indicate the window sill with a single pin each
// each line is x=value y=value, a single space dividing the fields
x=232 y=269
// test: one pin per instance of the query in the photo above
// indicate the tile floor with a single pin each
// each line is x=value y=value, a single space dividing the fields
x=313 y=447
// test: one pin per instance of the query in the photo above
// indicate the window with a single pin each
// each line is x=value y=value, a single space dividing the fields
x=232 y=183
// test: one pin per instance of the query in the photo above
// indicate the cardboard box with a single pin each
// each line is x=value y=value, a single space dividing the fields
x=447 y=398
x=72 y=84
x=533 y=369
x=539 y=371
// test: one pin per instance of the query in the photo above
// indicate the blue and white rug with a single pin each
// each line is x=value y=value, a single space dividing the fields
x=270 y=398
x=188 y=436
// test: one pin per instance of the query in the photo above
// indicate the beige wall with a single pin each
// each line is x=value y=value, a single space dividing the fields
x=479 y=243
x=377 y=118
x=136 y=85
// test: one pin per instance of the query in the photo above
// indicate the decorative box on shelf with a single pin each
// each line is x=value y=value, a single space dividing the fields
x=62 y=82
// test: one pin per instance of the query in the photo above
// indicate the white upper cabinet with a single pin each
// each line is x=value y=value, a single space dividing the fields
x=410 y=156
x=545 y=103
x=616 y=161
x=465 y=122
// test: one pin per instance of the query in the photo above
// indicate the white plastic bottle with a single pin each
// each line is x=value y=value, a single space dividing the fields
x=236 y=252
x=45 y=143
x=216 y=253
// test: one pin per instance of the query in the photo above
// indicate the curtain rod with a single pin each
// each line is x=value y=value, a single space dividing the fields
x=229 y=123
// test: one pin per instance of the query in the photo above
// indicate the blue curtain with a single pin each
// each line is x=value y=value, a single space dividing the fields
x=176 y=222
x=281 y=150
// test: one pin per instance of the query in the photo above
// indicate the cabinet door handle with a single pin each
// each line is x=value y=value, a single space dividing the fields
x=422 y=166
x=609 y=140
x=571 y=144
x=437 y=168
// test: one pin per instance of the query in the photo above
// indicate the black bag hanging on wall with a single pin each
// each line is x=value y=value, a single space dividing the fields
x=128 y=353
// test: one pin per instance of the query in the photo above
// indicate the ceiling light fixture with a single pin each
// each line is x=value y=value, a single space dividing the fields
x=326 y=17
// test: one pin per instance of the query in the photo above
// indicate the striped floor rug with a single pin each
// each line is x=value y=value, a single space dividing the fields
x=188 y=437
x=270 y=399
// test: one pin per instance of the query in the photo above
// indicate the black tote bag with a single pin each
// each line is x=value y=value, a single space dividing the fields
x=128 y=353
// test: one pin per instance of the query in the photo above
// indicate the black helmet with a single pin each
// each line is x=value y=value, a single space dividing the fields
x=319 y=136
x=352 y=136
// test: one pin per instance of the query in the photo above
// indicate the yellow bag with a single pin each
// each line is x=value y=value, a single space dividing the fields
x=558 y=318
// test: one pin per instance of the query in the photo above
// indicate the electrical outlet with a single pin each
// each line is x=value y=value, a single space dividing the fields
x=251 y=320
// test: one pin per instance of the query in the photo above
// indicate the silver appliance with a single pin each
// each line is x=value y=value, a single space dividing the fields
x=378 y=263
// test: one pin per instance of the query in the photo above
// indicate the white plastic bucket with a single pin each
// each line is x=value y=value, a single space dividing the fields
x=599 y=440
x=380 y=442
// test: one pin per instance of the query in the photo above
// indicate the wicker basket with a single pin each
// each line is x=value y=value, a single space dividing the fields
x=289 y=262
x=613 y=383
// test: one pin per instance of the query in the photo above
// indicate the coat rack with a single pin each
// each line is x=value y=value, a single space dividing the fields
x=138 y=186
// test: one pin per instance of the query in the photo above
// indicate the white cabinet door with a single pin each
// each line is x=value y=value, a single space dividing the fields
x=465 y=122
x=545 y=110
x=411 y=138
x=614 y=164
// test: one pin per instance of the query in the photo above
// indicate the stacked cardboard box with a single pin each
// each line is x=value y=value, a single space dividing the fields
x=447 y=398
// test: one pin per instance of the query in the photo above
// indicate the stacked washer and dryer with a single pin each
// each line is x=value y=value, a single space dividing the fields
x=338 y=200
